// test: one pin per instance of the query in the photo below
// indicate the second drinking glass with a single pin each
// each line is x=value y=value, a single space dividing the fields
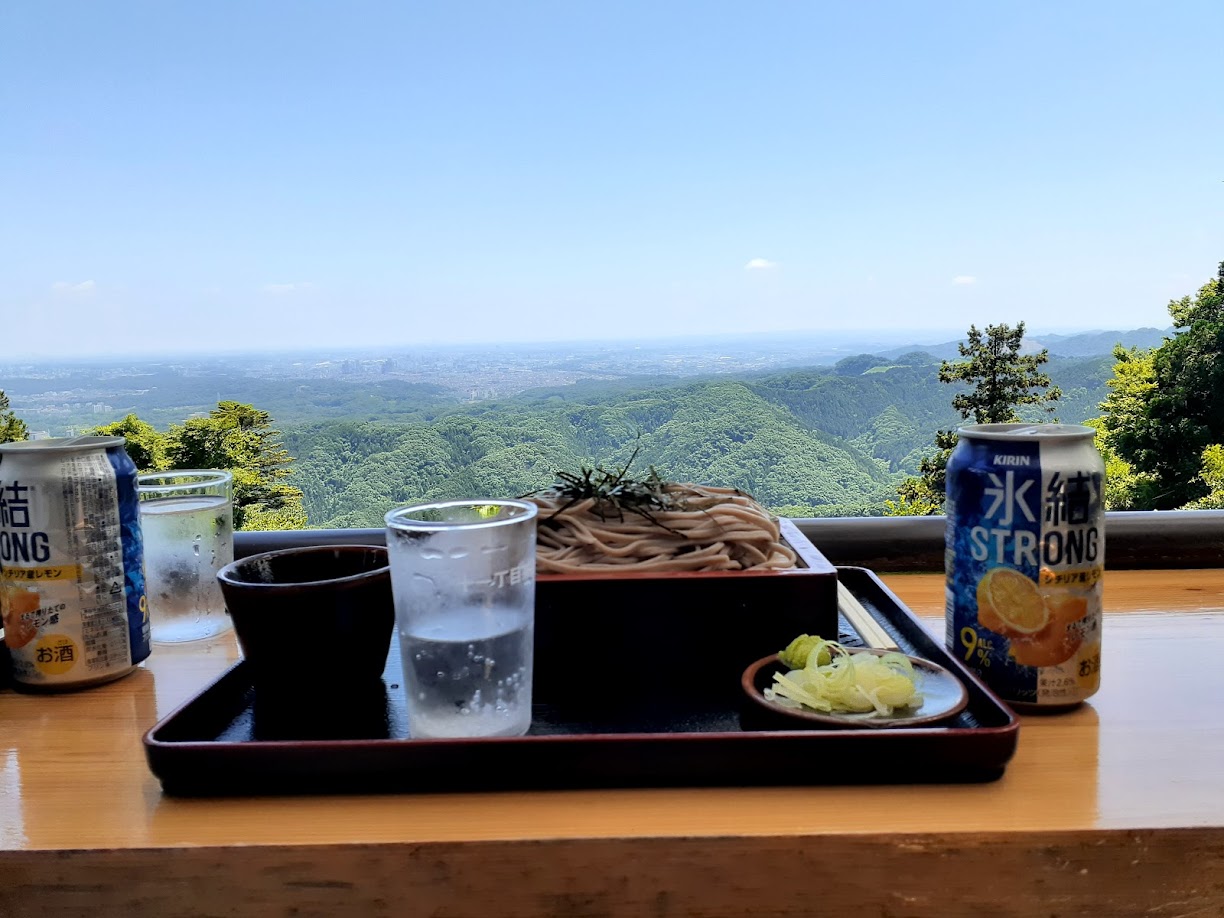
x=463 y=577
x=187 y=521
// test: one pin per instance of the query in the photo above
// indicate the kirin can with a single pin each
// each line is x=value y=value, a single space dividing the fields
x=1024 y=557
x=71 y=562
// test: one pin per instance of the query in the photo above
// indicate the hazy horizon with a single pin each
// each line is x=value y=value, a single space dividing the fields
x=831 y=339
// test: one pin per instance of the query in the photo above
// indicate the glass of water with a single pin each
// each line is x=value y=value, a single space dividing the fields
x=463 y=578
x=187 y=520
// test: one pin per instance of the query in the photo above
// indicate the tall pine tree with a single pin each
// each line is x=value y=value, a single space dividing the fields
x=1001 y=379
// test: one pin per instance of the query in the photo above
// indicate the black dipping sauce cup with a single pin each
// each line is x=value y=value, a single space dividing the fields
x=312 y=622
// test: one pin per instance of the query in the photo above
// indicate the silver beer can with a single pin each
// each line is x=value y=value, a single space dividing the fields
x=72 y=589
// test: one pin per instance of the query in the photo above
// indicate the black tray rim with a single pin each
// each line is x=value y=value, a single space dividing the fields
x=1003 y=736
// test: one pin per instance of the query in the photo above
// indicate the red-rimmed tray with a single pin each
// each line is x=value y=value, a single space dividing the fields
x=222 y=743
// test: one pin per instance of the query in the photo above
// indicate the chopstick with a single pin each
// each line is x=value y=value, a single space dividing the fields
x=862 y=621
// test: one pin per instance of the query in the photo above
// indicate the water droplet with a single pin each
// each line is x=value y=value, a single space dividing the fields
x=456 y=553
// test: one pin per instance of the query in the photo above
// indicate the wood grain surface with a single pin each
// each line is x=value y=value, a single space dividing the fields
x=1114 y=809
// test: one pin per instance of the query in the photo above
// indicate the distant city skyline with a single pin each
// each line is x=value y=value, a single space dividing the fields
x=237 y=177
x=64 y=396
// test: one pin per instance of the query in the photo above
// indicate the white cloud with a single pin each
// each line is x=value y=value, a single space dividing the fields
x=964 y=280
x=67 y=288
x=760 y=264
x=285 y=289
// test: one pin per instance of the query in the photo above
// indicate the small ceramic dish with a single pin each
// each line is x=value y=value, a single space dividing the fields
x=943 y=697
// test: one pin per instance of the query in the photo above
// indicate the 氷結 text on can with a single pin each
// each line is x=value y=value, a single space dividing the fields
x=1025 y=555
x=71 y=563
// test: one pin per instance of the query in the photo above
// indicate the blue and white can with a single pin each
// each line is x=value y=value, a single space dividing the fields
x=1025 y=557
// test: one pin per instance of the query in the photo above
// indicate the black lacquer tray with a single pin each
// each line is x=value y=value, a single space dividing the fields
x=690 y=727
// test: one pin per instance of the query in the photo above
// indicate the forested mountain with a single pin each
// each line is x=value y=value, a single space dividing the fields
x=821 y=441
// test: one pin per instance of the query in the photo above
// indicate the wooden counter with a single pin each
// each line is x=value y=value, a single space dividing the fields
x=1115 y=809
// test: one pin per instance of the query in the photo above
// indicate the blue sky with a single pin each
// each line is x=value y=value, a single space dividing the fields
x=198 y=176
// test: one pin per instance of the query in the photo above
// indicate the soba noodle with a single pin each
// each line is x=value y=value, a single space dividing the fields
x=718 y=529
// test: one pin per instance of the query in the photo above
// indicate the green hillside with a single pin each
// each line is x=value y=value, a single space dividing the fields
x=820 y=441
x=718 y=433
x=891 y=408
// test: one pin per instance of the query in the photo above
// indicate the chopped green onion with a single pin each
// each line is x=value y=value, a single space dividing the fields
x=826 y=677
